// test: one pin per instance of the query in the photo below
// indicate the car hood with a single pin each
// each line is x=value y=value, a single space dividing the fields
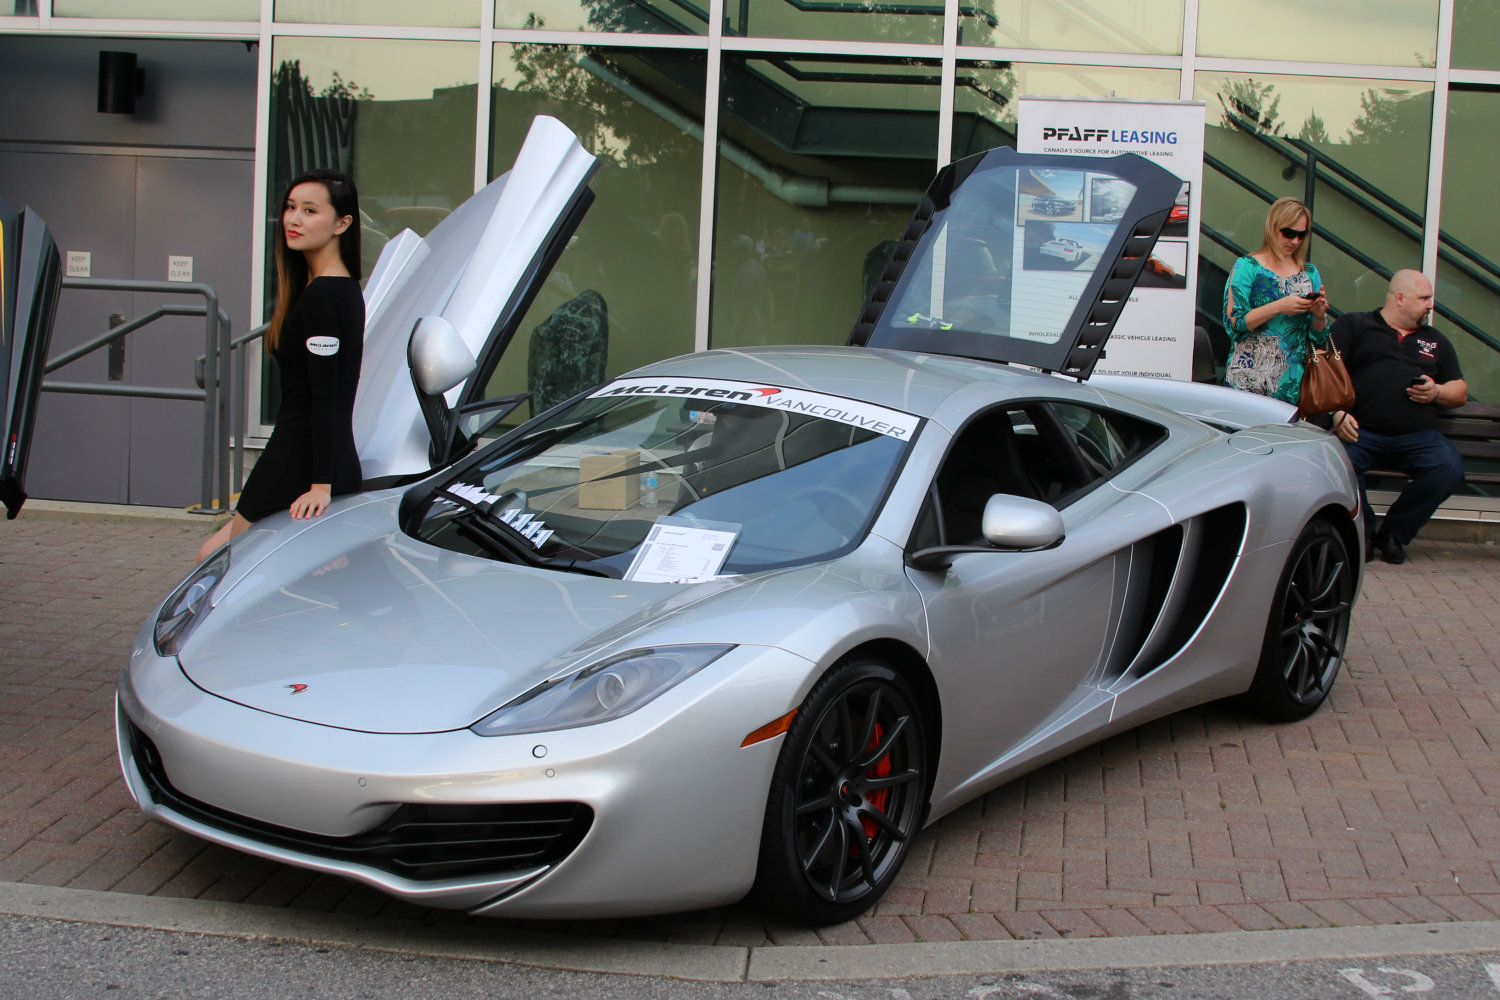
x=395 y=636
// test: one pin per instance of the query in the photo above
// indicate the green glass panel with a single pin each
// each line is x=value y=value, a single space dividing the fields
x=396 y=115
x=1468 y=274
x=1371 y=32
x=175 y=10
x=1476 y=34
x=628 y=280
x=1148 y=26
x=837 y=20
x=659 y=17
x=820 y=163
x=1366 y=144
x=984 y=101
x=430 y=13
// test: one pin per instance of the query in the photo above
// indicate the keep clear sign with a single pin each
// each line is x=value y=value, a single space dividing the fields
x=682 y=550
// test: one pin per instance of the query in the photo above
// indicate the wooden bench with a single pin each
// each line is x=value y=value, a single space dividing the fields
x=1474 y=429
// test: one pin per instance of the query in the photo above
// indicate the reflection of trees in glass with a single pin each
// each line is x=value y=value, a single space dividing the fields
x=1250 y=106
x=997 y=85
x=986 y=114
x=561 y=74
x=1314 y=129
x=1378 y=121
x=631 y=16
x=311 y=128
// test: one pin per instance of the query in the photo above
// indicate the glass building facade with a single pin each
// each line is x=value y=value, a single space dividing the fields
x=756 y=156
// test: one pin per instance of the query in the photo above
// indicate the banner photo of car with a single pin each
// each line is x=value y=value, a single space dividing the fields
x=1154 y=334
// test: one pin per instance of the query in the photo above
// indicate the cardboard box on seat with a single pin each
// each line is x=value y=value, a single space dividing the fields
x=605 y=481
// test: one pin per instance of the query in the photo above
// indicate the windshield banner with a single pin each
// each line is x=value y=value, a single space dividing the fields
x=717 y=392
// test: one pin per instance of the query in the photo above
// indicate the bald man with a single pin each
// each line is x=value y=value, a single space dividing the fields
x=1403 y=370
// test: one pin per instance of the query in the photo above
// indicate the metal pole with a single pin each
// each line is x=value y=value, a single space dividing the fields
x=211 y=397
x=226 y=407
x=133 y=391
x=237 y=469
x=1310 y=182
x=240 y=351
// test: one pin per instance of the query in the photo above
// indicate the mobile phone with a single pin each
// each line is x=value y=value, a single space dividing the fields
x=1310 y=295
x=1417 y=380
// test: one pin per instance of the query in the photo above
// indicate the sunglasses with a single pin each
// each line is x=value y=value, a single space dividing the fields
x=1293 y=234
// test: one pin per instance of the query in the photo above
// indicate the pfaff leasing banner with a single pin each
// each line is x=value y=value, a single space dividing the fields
x=1154 y=335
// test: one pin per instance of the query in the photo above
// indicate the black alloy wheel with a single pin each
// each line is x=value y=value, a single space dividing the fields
x=847 y=796
x=1308 y=627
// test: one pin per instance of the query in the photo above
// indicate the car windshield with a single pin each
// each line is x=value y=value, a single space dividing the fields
x=677 y=480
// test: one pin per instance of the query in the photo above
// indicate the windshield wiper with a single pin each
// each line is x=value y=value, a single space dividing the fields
x=501 y=539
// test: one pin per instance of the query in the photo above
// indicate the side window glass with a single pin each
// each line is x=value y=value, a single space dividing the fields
x=1106 y=440
x=1017 y=451
x=1053 y=452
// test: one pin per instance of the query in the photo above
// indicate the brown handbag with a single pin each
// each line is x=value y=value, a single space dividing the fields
x=1325 y=383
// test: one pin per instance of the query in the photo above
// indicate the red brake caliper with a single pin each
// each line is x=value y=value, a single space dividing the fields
x=881 y=769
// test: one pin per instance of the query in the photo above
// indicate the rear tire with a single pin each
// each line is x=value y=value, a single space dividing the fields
x=847 y=796
x=1307 y=629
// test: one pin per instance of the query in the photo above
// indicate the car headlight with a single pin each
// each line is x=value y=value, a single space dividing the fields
x=188 y=604
x=600 y=692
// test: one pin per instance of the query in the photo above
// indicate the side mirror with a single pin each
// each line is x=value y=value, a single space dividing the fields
x=438 y=356
x=1011 y=522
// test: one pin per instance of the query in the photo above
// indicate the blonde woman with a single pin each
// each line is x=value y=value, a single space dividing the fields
x=1275 y=311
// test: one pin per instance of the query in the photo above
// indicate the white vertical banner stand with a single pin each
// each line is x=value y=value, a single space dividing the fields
x=1154 y=334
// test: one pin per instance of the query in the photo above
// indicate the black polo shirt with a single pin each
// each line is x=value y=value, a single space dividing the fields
x=1382 y=364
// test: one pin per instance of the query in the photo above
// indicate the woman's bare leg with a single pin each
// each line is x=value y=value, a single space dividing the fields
x=227 y=530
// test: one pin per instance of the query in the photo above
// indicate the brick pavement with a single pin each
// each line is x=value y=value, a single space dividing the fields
x=1382 y=808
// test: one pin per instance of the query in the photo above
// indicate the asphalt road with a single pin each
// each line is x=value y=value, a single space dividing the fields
x=43 y=959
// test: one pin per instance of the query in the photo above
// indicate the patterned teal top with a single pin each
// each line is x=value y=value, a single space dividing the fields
x=1269 y=360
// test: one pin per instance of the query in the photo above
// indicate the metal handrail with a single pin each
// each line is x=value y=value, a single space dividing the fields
x=216 y=393
x=1374 y=265
x=1467 y=261
x=238 y=349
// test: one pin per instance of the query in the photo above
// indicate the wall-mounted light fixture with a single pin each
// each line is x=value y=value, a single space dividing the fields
x=120 y=83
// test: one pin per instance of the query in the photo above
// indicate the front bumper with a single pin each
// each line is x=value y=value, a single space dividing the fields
x=656 y=812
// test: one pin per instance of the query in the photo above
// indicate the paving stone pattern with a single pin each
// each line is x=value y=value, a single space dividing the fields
x=1382 y=808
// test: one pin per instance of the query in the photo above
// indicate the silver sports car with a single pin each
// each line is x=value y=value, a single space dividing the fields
x=741 y=621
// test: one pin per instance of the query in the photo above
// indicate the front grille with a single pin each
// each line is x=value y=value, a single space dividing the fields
x=419 y=841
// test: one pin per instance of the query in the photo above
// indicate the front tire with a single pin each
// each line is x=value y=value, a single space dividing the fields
x=847 y=796
x=1307 y=629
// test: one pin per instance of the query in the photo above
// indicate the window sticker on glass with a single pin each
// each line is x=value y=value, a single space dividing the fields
x=861 y=415
x=680 y=550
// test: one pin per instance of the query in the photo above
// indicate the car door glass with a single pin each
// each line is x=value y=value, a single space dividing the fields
x=1000 y=451
x=1049 y=451
x=1105 y=440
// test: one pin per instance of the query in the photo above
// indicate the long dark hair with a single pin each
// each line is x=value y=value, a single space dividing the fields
x=291 y=266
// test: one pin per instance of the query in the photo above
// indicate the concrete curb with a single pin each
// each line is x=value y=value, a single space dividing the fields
x=727 y=964
x=69 y=510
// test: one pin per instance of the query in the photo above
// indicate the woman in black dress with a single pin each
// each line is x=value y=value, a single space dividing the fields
x=316 y=335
